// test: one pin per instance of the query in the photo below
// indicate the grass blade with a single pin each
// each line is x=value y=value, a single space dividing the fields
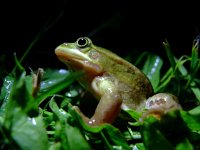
x=194 y=56
x=170 y=55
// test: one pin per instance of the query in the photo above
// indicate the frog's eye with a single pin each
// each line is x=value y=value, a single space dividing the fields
x=83 y=42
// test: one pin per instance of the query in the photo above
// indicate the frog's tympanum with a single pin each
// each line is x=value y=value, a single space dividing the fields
x=116 y=83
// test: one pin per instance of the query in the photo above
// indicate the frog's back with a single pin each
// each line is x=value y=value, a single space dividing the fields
x=134 y=87
x=132 y=84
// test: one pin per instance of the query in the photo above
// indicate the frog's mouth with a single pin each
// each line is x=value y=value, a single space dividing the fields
x=77 y=60
x=67 y=55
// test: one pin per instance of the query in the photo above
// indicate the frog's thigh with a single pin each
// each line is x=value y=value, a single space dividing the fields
x=107 y=110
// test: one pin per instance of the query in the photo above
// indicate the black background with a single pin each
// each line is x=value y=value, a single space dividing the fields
x=121 y=26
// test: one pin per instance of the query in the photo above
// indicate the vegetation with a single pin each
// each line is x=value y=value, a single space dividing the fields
x=47 y=120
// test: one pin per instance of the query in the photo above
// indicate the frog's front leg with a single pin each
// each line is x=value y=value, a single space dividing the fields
x=107 y=110
x=109 y=104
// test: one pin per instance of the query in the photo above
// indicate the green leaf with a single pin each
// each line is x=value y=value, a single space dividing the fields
x=170 y=54
x=51 y=77
x=165 y=80
x=196 y=91
x=172 y=129
x=58 y=86
x=152 y=69
x=20 y=96
x=28 y=133
x=24 y=130
x=134 y=114
x=194 y=56
x=71 y=137
x=180 y=65
x=139 y=146
x=141 y=58
x=192 y=121
x=18 y=64
x=75 y=139
x=5 y=92
x=60 y=113
x=110 y=135
x=153 y=138
x=195 y=111
x=185 y=145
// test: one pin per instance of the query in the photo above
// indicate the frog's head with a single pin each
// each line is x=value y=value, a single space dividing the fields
x=80 y=56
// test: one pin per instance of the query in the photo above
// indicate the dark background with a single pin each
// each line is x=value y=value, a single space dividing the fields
x=125 y=27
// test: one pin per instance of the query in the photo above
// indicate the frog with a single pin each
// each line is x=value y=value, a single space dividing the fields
x=114 y=82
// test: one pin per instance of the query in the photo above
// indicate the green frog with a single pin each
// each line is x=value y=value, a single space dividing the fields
x=113 y=81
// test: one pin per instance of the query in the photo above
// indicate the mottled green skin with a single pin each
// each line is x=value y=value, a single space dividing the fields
x=106 y=74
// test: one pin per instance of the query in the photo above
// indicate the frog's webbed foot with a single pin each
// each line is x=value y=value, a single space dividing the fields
x=159 y=104
x=106 y=112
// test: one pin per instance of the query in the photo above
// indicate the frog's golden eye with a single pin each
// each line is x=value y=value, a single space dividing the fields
x=83 y=42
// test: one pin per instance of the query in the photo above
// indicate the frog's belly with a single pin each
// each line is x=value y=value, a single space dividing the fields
x=135 y=104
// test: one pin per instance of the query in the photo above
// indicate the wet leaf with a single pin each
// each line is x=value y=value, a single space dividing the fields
x=152 y=69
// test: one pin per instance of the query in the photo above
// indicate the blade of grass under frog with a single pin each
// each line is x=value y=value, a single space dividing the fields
x=170 y=55
x=70 y=78
x=194 y=55
x=106 y=142
x=75 y=139
x=165 y=80
x=194 y=66
x=195 y=90
x=195 y=111
x=185 y=145
x=18 y=64
x=180 y=65
x=167 y=74
x=113 y=134
x=191 y=120
x=153 y=138
x=141 y=58
x=183 y=71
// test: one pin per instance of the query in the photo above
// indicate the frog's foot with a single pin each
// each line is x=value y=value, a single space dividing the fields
x=157 y=113
x=160 y=104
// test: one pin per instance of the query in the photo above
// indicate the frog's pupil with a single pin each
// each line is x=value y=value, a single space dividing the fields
x=82 y=42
